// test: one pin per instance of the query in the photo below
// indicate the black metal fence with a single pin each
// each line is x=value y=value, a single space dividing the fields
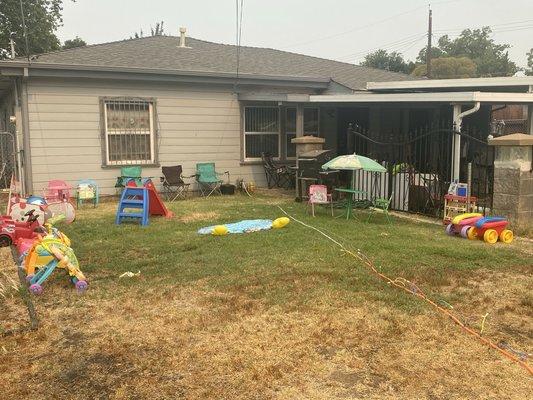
x=420 y=166
x=7 y=159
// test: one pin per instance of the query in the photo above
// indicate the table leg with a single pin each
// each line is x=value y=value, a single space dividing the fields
x=350 y=207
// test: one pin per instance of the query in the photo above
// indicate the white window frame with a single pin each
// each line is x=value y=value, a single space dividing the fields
x=245 y=158
x=151 y=132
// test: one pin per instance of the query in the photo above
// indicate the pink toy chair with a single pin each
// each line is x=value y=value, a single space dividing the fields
x=318 y=194
x=57 y=190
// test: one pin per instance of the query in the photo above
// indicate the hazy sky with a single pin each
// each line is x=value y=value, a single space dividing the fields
x=344 y=30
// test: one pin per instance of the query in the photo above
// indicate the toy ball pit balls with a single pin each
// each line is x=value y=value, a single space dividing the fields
x=280 y=222
x=220 y=230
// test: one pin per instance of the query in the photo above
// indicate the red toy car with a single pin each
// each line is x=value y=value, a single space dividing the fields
x=11 y=231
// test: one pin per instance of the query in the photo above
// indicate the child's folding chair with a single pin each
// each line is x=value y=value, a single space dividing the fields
x=318 y=194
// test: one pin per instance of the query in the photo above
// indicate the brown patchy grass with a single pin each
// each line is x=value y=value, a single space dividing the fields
x=297 y=333
x=199 y=216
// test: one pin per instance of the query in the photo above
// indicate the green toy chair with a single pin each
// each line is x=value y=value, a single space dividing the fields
x=380 y=205
x=208 y=179
x=87 y=190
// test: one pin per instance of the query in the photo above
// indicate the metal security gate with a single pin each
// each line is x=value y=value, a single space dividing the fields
x=8 y=164
x=419 y=166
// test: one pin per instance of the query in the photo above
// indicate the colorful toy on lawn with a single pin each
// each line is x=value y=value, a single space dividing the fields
x=144 y=201
x=245 y=226
x=11 y=231
x=42 y=255
x=476 y=226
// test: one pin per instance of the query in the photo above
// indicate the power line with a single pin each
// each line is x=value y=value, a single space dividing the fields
x=353 y=29
x=389 y=46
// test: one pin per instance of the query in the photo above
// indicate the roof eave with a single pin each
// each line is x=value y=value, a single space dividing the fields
x=16 y=68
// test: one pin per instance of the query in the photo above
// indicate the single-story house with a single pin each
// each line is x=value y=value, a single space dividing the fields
x=163 y=100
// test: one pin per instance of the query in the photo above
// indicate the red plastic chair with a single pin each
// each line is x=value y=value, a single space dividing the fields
x=57 y=190
x=318 y=194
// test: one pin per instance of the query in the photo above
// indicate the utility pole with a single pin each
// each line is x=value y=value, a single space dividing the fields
x=12 y=44
x=428 y=50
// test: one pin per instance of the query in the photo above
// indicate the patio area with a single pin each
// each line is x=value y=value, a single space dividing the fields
x=279 y=314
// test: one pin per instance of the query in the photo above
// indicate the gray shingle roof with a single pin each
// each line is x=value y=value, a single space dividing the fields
x=162 y=52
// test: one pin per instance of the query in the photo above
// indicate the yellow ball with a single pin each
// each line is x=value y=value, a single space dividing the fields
x=280 y=222
x=220 y=230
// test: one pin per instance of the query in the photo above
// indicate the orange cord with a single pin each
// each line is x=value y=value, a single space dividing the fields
x=417 y=292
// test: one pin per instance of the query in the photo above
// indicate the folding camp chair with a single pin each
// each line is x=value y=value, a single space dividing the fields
x=127 y=174
x=380 y=205
x=208 y=178
x=174 y=186
x=277 y=175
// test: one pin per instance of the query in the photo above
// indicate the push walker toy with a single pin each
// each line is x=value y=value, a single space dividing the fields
x=475 y=226
x=45 y=255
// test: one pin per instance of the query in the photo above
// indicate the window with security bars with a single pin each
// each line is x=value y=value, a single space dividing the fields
x=261 y=132
x=129 y=131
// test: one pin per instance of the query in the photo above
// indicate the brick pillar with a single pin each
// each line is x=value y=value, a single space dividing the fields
x=513 y=180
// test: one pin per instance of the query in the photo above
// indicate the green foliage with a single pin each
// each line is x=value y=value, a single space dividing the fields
x=72 y=43
x=382 y=59
x=490 y=58
x=529 y=69
x=42 y=18
x=157 y=31
x=448 y=68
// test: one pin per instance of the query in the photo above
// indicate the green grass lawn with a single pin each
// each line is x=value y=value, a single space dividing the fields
x=279 y=314
x=291 y=266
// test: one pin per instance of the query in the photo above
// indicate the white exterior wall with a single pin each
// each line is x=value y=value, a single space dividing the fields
x=196 y=124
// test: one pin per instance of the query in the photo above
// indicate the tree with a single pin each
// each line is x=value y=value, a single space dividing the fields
x=72 y=43
x=42 y=18
x=157 y=31
x=529 y=69
x=448 y=68
x=382 y=59
x=491 y=59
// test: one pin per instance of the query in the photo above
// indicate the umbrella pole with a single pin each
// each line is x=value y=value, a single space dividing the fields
x=350 y=197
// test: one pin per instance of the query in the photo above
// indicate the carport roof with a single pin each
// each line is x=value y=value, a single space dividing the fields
x=428 y=97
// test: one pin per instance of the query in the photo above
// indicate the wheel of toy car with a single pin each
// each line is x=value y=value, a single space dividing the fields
x=464 y=231
x=449 y=229
x=506 y=236
x=472 y=233
x=5 y=241
x=490 y=236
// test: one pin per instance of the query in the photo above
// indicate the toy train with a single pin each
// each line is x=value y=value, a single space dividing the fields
x=476 y=226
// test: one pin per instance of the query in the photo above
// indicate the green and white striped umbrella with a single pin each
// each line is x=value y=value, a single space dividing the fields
x=354 y=162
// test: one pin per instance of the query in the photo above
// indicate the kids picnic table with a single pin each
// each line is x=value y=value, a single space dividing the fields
x=349 y=203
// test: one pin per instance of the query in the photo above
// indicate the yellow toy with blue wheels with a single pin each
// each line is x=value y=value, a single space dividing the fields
x=48 y=253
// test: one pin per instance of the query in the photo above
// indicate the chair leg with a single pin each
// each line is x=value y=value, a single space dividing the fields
x=331 y=206
x=313 y=208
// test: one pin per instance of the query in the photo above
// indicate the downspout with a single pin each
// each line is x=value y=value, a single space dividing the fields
x=28 y=176
x=457 y=122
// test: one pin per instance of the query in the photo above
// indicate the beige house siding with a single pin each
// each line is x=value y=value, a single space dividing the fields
x=195 y=124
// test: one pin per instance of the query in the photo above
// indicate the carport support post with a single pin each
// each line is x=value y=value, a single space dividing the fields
x=456 y=146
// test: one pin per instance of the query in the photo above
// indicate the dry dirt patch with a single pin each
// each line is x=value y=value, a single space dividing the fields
x=196 y=343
